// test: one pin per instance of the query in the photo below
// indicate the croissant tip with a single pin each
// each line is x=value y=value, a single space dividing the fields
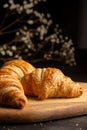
x=20 y=103
x=81 y=90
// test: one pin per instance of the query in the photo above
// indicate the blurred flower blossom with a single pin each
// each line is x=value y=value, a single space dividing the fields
x=28 y=34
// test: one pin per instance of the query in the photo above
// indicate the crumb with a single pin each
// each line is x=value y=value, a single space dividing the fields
x=77 y=124
x=35 y=124
x=41 y=124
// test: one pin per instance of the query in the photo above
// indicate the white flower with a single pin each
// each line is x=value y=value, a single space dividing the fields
x=14 y=48
x=48 y=15
x=11 y=1
x=17 y=33
x=10 y=53
x=2 y=52
x=30 y=22
x=28 y=6
x=5 y=5
x=12 y=7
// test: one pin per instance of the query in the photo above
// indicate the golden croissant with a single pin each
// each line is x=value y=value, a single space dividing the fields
x=19 y=78
x=50 y=82
x=11 y=90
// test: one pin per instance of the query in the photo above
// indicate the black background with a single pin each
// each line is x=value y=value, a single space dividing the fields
x=66 y=14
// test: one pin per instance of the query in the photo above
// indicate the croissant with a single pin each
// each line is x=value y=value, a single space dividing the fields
x=50 y=82
x=11 y=89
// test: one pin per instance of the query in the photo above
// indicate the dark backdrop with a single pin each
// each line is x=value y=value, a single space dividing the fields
x=67 y=14
x=72 y=18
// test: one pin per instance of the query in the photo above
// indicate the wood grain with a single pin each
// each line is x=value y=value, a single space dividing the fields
x=50 y=109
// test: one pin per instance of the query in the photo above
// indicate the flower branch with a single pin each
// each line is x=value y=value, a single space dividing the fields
x=30 y=35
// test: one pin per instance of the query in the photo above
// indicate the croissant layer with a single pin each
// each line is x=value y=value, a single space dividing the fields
x=11 y=89
x=50 y=82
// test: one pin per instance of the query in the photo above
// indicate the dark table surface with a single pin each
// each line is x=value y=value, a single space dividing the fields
x=77 y=73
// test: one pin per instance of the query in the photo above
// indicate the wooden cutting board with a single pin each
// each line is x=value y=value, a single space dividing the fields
x=49 y=109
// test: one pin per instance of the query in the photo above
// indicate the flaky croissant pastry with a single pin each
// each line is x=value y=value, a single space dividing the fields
x=50 y=82
x=11 y=90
